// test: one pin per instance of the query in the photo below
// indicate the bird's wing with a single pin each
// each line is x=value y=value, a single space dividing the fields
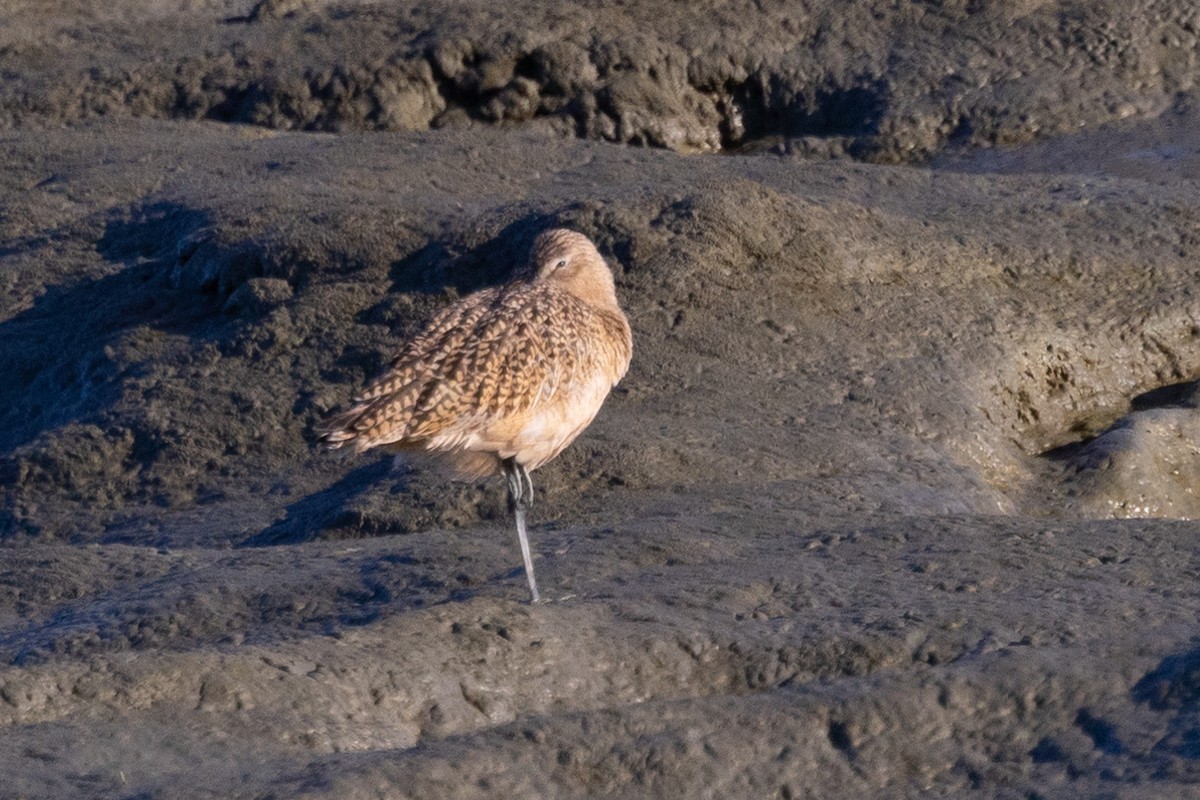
x=380 y=412
x=529 y=350
x=493 y=355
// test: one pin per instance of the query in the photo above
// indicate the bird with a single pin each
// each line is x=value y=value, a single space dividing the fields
x=502 y=380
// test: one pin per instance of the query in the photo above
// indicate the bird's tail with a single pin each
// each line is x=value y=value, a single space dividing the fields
x=337 y=430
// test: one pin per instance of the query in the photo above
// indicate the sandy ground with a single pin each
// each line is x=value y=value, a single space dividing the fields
x=895 y=499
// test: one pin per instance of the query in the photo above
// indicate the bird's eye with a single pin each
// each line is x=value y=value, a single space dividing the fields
x=561 y=263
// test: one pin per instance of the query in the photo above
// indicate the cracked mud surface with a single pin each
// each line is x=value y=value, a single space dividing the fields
x=896 y=498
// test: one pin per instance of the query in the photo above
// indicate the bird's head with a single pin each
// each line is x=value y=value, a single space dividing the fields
x=569 y=260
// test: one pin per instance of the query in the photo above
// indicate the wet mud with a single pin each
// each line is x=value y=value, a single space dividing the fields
x=895 y=500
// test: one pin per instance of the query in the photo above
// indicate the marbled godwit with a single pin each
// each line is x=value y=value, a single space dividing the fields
x=501 y=381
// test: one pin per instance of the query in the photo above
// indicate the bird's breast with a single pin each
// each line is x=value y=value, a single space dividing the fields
x=541 y=433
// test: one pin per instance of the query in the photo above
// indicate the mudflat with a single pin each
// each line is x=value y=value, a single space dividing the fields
x=895 y=499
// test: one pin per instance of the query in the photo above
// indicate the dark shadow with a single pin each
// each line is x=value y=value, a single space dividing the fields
x=842 y=111
x=309 y=516
x=1068 y=452
x=151 y=230
x=63 y=360
x=831 y=111
x=1177 y=395
x=1173 y=684
x=1047 y=751
x=1173 y=687
x=1102 y=732
x=466 y=269
x=960 y=137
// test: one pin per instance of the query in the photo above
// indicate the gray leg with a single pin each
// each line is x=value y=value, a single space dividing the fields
x=520 y=498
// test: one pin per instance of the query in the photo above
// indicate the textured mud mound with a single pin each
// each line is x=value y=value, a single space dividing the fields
x=894 y=501
x=874 y=656
x=825 y=538
x=827 y=78
x=917 y=349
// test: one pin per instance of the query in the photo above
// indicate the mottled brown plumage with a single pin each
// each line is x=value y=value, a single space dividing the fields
x=501 y=381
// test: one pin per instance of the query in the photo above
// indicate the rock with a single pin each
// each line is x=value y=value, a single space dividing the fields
x=890 y=87
x=1147 y=465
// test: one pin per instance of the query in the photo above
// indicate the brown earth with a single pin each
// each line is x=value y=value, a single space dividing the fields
x=894 y=501
x=888 y=81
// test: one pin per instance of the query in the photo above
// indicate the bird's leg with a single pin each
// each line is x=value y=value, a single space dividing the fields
x=520 y=498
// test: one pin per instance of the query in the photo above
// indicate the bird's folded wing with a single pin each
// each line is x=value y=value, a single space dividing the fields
x=517 y=359
x=493 y=356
